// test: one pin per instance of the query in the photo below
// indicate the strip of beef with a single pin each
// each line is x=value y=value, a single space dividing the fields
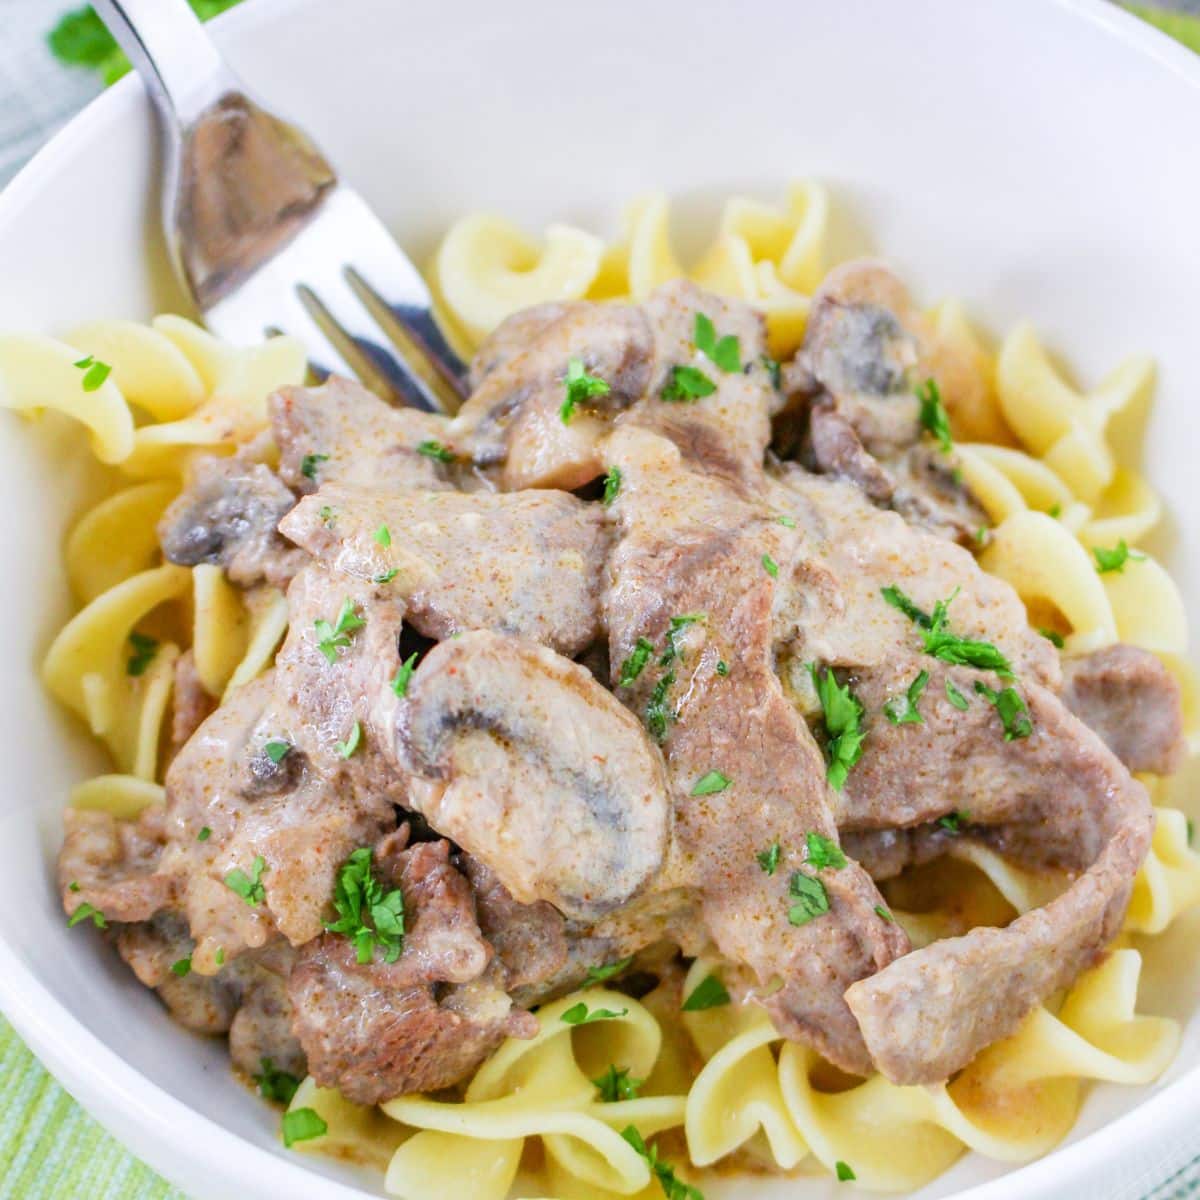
x=527 y=563
x=866 y=351
x=378 y=1030
x=1133 y=702
x=343 y=432
x=115 y=866
x=227 y=515
x=191 y=705
x=696 y=575
x=514 y=417
x=533 y=767
x=1038 y=784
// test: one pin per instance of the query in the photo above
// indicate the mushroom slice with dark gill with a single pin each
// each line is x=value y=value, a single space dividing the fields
x=526 y=762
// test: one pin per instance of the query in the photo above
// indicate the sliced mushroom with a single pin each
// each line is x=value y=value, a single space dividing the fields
x=530 y=765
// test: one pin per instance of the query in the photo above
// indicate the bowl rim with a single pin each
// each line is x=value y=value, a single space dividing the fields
x=103 y=1082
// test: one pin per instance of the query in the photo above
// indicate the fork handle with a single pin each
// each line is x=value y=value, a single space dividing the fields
x=182 y=69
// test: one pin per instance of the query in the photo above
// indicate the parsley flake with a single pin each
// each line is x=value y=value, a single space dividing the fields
x=1014 y=713
x=686 y=384
x=882 y=912
x=673 y=1187
x=710 y=992
x=204 y=834
x=897 y=599
x=335 y=637
x=616 y=1085
x=386 y=576
x=144 y=650
x=658 y=712
x=274 y=1084
x=603 y=974
x=403 y=674
x=786 y=521
x=435 y=450
x=633 y=666
x=277 y=750
x=581 y=387
x=768 y=859
x=302 y=1125
x=1054 y=638
x=580 y=1014
x=722 y=668
x=73 y=886
x=383 y=536
x=249 y=887
x=220 y=956
x=934 y=417
x=309 y=464
x=811 y=898
x=770 y=566
x=83 y=912
x=956 y=697
x=347 y=748
x=953 y=822
x=844 y=1172
x=327 y=515
x=905 y=711
x=773 y=370
x=710 y=783
x=941 y=643
x=1116 y=558
x=843 y=726
x=94 y=371
x=725 y=352
x=612 y=485
x=823 y=852
x=182 y=967
x=677 y=625
x=367 y=915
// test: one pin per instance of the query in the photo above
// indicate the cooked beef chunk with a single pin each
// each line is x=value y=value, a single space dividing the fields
x=1132 y=701
x=531 y=765
x=190 y=703
x=227 y=515
x=690 y=547
x=115 y=865
x=377 y=1030
x=527 y=563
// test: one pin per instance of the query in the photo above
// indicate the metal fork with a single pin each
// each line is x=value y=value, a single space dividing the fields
x=264 y=236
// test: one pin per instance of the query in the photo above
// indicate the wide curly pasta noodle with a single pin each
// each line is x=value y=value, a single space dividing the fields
x=542 y=1088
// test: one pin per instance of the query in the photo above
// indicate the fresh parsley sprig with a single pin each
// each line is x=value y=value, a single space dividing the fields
x=934 y=418
x=580 y=1014
x=725 y=352
x=710 y=992
x=687 y=384
x=904 y=710
x=581 y=386
x=843 y=725
x=615 y=1085
x=335 y=637
x=249 y=886
x=368 y=915
x=673 y=1187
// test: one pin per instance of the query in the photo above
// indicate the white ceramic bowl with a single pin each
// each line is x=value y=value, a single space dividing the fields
x=1036 y=158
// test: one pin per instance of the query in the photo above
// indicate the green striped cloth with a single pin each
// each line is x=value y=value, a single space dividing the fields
x=50 y=1149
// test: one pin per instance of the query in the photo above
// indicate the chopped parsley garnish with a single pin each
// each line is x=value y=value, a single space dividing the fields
x=981 y=535
x=383 y=536
x=934 y=417
x=616 y=1085
x=953 y=822
x=1014 y=714
x=956 y=697
x=677 y=624
x=386 y=576
x=843 y=726
x=710 y=992
x=327 y=515
x=83 y=912
x=335 y=637
x=882 y=912
x=941 y=643
x=94 y=371
x=302 y=1125
x=612 y=485
x=309 y=464
x=1053 y=637
x=403 y=674
x=277 y=750
x=844 y=1172
x=770 y=566
x=606 y=972
x=249 y=887
x=1055 y=511
x=768 y=859
x=822 y=852
x=811 y=898
x=347 y=748
x=771 y=366
x=144 y=650
x=633 y=666
x=786 y=521
x=722 y=668
x=274 y=1084
x=73 y=886
x=435 y=450
x=1116 y=558
x=673 y=1187
x=658 y=712
x=580 y=1014
x=219 y=957
x=1191 y=831
x=581 y=387
x=686 y=384
x=710 y=783
x=367 y=915
x=182 y=967
x=204 y=834
x=725 y=352
x=905 y=711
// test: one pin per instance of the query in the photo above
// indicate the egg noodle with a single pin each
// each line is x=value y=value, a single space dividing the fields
x=717 y=1084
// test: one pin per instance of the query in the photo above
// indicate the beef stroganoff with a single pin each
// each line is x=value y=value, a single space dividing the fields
x=740 y=736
